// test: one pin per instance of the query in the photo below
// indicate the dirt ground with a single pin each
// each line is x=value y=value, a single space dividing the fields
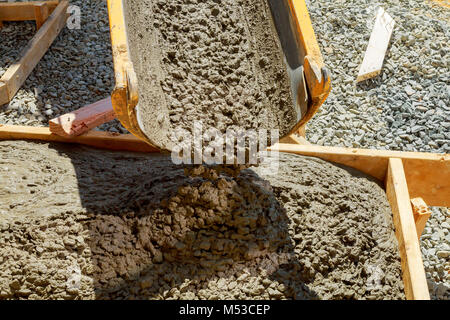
x=216 y=62
x=80 y=223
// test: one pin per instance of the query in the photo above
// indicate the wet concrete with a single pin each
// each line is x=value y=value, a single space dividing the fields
x=80 y=223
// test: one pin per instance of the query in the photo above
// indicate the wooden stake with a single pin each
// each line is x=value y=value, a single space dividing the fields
x=23 y=11
x=41 y=13
x=84 y=119
x=416 y=287
x=378 y=44
x=421 y=214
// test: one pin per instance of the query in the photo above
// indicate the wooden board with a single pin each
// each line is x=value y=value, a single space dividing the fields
x=428 y=174
x=84 y=119
x=98 y=139
x=23 y=11
x=414 y=278
x=365 y=160
x=41 y=13
x=35 y=50
x=3 y=94
x=295 y=139
x=421 y=214
x=378 y=44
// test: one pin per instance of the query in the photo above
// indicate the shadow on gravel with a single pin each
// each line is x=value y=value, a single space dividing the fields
x=152 y=230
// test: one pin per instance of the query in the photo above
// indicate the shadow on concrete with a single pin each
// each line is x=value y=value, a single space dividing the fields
x=145 y=246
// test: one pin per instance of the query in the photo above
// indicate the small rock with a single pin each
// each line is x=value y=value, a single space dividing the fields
x=409 y=91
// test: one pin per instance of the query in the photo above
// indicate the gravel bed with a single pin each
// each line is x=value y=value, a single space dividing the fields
x=406 y=108
x=435 y=245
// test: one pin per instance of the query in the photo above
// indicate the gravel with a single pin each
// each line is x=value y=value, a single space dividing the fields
x=77 y=70
x=435 y=245
x=405 y=108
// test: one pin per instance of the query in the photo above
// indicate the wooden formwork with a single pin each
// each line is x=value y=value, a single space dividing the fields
x=50 y=17
x=407 y=175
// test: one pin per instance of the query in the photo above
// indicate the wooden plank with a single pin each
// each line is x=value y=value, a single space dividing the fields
x=22 y=11
x=84 y=119
x=427 y=174
x=294 y=139
x=416 y=287
x=378 y=44
x=35 y=49
x=302 y=131
x=98 y=139
x=41 y=14
x=421 y=214
x=4 y=98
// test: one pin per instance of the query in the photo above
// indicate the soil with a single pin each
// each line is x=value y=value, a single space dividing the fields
x=80 y=223
x=219 y=62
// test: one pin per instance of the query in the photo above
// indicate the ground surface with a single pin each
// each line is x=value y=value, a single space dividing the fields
x=76 y=70
x=77 y=224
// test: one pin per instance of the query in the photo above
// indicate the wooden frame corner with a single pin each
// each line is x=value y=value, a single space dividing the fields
x=413 y=272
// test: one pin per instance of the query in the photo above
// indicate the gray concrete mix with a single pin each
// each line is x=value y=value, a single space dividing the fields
x=80 y=223
x=218 y=62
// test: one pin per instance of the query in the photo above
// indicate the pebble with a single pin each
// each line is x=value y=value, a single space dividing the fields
x=409 y=91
